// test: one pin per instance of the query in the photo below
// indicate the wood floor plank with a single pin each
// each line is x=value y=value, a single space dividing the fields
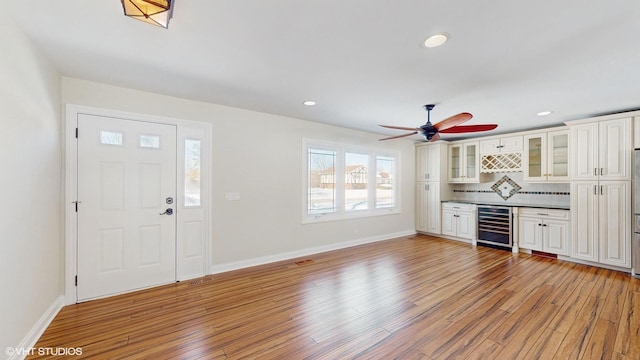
x=416 y=297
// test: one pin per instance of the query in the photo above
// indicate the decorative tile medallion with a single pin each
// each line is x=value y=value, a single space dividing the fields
x=505 y=187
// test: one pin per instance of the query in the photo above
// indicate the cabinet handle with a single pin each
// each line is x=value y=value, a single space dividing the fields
x=544 y=224
x=595 y=171
x=595 y=189
x=601 y=193
x=601 y=171
x=543 y=214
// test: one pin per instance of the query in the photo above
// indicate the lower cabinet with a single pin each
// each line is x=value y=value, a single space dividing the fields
x=459 y=220
x=601 y=222
x=544 y=230
x=428 y=207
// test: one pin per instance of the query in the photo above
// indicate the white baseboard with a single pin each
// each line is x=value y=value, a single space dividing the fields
x=29 y=341
x=216 y=269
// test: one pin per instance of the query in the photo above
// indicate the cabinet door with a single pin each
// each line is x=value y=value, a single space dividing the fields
x=466 y=225
x=421 y=163
x=535 y=157
x=433 y=162
x=491 y=146
x=584 y=148
x=615 y=149
x=511 y=144
x=455 y=163
x=449 y=222
x=530 y=233
x=558 y=156
x=555 y=237
x=471 y=163
x=584 y=220
x=433 y=207
x=614 y=226
x=422 y=207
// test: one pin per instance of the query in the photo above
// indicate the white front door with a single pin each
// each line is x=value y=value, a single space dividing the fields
x=126 y=210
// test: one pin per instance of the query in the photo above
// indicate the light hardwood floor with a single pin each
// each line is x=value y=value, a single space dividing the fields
x=409 y=298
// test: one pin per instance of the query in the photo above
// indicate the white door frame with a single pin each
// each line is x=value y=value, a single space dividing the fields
x=184 y=128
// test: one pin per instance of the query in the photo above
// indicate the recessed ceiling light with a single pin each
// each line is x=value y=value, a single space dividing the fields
x=309 y=102
x=544 y=113
x=436 y=40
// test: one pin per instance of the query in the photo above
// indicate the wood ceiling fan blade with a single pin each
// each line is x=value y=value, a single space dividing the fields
x=453 y=121
x=401 y=128
x=469 y=128
x=398 y=136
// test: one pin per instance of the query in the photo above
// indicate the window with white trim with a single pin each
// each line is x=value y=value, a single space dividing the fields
x=343 y=182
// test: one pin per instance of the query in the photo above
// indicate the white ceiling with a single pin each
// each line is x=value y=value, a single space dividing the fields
x=362 y=61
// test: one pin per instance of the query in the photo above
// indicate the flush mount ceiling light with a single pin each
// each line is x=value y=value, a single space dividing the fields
x=154 y=12
x=309 y=102
x=544 y=113
x=436 y=40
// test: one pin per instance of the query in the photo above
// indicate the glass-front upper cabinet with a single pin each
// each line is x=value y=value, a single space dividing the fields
x=546 y=157
x=464 y=163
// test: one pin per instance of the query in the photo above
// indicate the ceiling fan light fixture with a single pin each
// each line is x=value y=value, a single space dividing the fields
x=154 y=12
x=436 y=40
x=545 y=113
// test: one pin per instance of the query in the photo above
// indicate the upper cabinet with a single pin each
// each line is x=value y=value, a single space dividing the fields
x=601 y=150
x=430 y=162
x=510 y=144
x=464 y=163
x=546 y=157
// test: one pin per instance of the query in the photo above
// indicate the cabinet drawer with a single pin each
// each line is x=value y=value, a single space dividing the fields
x=458 y=206
x=545 y=213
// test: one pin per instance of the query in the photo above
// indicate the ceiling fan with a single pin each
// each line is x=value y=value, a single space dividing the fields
x=450 y=125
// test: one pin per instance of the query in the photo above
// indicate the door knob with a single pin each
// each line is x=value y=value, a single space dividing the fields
x=169 y=211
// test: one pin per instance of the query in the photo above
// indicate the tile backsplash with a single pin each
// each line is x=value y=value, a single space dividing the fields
x=509 y=188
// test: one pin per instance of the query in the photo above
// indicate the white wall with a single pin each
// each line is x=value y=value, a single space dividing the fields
x=30 y=179
x=260 y=156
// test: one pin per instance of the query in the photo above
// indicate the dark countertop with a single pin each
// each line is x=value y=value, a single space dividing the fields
x=559 y=207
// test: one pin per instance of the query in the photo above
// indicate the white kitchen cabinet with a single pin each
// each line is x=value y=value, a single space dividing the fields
x=509 y=144
x=428 y=207
x=431 y=187
x=601 y=150
x=601 y=222
x=464 y=163
x=430 y=161
x=544 y=230
x=459 y=220
x=546 y=157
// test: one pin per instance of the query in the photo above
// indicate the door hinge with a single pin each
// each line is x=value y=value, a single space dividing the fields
x=76 y=280
x=76 y=133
